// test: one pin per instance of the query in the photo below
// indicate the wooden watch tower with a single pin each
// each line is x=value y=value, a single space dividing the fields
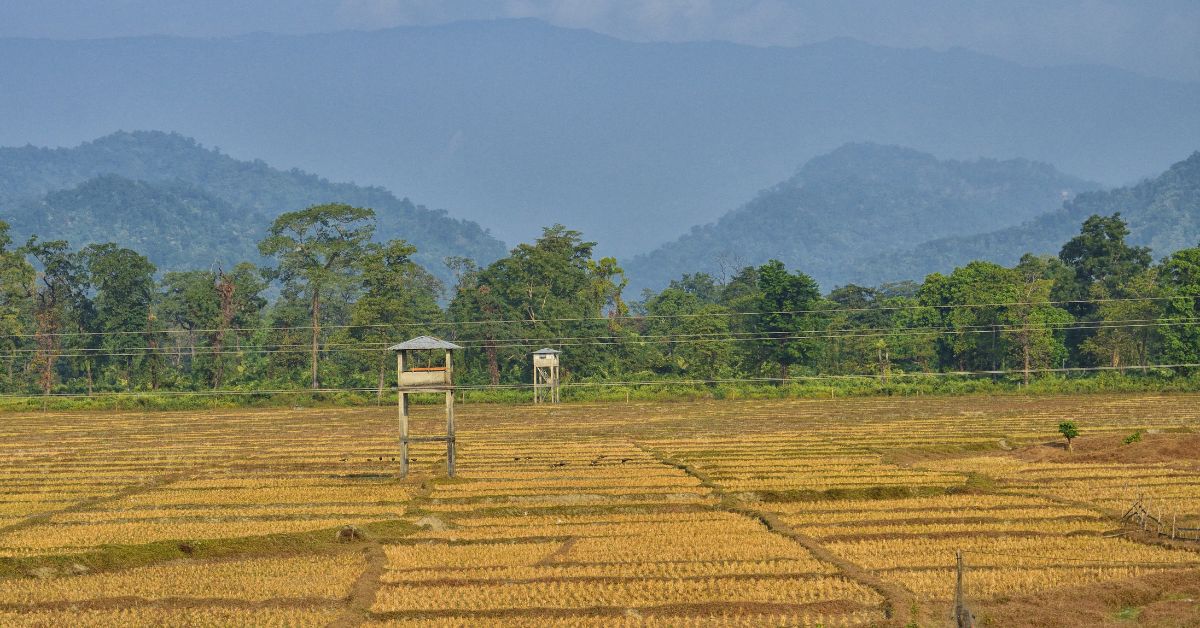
x=418 y=371
x=545 y=375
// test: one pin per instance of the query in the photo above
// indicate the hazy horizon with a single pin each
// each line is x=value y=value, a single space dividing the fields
x=1160 y=39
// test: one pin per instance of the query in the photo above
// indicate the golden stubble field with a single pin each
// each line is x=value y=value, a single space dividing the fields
x=802 y=513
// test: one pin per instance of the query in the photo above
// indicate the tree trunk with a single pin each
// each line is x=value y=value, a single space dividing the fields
x=1025 y=354
x=225 y=289
x=316 y=332
x=493 y=364
x=382 y=375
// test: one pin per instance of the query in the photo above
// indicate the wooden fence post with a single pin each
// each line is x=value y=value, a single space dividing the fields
x=962 y=614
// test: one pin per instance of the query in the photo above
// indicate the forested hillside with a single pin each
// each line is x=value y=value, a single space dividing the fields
x=849 y=205
x=1163 y=213
x=187 y=206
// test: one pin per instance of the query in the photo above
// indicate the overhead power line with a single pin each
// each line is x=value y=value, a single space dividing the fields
x=627 y=317
x=372 y=347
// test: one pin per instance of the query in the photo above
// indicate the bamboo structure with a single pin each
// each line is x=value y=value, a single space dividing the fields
x=431 y=378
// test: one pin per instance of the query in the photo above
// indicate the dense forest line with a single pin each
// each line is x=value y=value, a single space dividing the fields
x=99 y=318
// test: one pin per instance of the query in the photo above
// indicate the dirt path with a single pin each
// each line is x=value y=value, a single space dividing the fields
x=362 y=593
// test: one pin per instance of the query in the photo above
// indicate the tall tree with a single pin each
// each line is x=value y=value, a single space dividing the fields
x=1179 y=278
x=477 y=312
x=397 y=296
x=16 y=281
x=125 y=290
x=1102 y=263
x=1036 y=322
x=317 y=250
x=1099 y=254
x=969 y=303
x=786 y=308
x=688 y=336
x=56 y=290
x=240 y=295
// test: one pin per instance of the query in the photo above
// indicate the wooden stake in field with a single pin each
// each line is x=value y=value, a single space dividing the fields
x=431 y=378
x=962 y=615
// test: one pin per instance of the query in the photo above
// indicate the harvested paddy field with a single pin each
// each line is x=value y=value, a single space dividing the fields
x=799 y=513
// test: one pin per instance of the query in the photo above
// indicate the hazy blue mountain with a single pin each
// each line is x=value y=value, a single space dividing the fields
x=1163 y=213
x=517 y=124
x=188 y=206
x=862 y=199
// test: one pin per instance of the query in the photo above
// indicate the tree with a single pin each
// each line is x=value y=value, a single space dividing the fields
x=1069 y=431
x=785 y=308
x=547 y=291
x=1124 y=333
x=1036 y=321
x=1102 y=264
x=190 y=302
x=969 y=304
x=1099 y=254
x=205 y=305
x=60 y=286
x=1179 y=280
x=125 y=290
x=476 y=309
x=16 y=280
x=687 y=336
x=318 y=250
x=397 y=295
x=240 y=294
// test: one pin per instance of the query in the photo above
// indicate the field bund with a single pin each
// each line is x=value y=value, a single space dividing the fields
x=790 y=512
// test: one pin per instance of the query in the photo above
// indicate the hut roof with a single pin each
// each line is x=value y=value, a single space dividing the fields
x=424 y=342
x=546 y=351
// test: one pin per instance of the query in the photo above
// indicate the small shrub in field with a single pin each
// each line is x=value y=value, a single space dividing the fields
x=1069 y=431
x=1134 y=437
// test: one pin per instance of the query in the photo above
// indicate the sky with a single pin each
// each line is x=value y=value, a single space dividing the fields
x=1154 y=37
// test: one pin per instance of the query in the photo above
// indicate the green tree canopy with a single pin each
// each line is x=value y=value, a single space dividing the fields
x=317 y=250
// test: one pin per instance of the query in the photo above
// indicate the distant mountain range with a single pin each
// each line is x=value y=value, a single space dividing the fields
x=837 y=215
x=1162 y=212
x=517 y=124
x=864 y=213
x=187 y=206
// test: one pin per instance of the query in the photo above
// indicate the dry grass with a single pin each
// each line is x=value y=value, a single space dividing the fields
x=590 y=514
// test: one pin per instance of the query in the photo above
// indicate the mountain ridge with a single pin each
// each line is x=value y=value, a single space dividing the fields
x=1162 y=212
x=861 y=199
x=519 y=124
x=42 y=188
